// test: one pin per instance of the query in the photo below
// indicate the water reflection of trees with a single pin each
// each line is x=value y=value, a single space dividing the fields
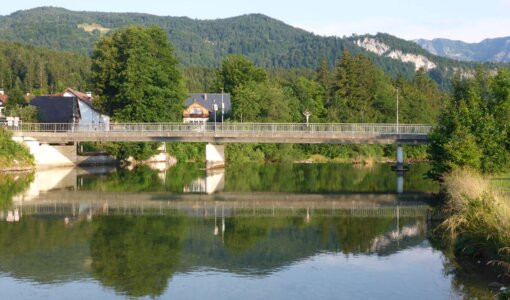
x=323 y=178
x=11 y=185
x=296 y=178
x=45 y=250
x=144 y=179
x=469 y=277
x=261 y=245
x=137 y=255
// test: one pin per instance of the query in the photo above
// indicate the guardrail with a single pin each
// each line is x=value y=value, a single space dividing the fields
x=353 y=128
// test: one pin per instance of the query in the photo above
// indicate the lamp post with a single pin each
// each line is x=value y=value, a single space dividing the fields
x=307 y=114
x=397 y=111
x=222 y=108
x=215 y=108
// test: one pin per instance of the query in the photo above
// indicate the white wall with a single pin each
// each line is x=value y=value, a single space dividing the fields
x=90 y=116
x=49 y=156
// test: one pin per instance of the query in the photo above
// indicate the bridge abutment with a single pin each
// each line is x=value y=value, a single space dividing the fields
x=214 y=156
x=47 y=155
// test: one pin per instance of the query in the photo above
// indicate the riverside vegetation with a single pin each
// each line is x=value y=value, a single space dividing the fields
x=471 y=141
x=477 y=221
x=13 y=155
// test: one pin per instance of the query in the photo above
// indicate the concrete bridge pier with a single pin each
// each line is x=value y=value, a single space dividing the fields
x=400 y=182
x=399 y=166
x=214 y=156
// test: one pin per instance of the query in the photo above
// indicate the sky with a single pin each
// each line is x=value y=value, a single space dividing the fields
x=468 y=20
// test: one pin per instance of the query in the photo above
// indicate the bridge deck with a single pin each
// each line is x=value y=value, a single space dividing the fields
x=292 y=133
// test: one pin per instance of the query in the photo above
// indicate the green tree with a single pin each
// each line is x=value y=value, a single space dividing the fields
x=136 y=74
x=469 y=132
x=236 y=71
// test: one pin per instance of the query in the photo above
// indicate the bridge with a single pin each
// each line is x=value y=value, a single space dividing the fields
x=217 y=134
x=290 y=133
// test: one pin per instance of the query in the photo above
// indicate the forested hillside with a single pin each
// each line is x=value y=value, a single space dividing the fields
x=27 y=69
x=205 y=43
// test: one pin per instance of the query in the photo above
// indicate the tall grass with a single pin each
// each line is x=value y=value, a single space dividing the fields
x=478 y=218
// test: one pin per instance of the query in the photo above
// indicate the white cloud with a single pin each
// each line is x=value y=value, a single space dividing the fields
x=460 y=29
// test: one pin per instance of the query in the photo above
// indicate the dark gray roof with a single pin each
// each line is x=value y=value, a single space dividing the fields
x=56 y=109
x=208 y=100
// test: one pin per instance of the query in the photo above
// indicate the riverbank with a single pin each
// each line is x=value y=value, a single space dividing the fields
x=477 y=220
x=14 y=156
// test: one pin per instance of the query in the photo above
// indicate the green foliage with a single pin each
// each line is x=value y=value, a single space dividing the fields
x=472 y=131
x=237 y=71
x=262 y=102
x=361 y=92
x=13 y=154
x=135 y=73
x=26 y=113
x=26 y=69
x=138 y=151
x=186 y=152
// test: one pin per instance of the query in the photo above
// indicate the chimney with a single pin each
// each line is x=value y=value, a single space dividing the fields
x=89 y=94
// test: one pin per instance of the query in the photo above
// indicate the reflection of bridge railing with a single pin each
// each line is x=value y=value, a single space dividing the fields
x=239 y=205
x=224 y=210
x=228 y=132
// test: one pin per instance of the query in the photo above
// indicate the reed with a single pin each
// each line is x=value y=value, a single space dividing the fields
x=477 y=218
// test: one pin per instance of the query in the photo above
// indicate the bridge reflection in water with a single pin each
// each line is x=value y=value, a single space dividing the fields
x=59 y=192
x=113 y=236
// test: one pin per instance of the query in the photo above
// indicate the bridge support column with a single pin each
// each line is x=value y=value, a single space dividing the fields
x=399 y=166
x=400 y=182
x=214 y=156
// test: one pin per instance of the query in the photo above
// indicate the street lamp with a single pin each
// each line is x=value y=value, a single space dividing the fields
x=215 y=107
x=222 y=107
x=307 y=115
x=397 y=111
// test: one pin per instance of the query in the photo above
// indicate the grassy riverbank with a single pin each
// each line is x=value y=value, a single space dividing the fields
x=477 y=222
x=13 y=156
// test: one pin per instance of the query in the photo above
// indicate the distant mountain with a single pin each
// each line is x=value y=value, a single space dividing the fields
x=204 y=43
x=439 y=68
x=488 y=50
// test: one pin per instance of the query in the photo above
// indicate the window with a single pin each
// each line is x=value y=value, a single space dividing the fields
x=196 y=111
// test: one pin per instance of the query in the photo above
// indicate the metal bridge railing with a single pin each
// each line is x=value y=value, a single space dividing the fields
x=355 y=128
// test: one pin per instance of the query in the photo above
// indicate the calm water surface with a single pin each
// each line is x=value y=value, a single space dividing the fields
x=301 y=231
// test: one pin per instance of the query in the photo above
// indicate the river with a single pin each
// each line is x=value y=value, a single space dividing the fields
x=252 y=231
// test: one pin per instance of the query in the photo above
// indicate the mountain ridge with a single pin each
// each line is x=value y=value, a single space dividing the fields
x=488 y=50
x=268 y=42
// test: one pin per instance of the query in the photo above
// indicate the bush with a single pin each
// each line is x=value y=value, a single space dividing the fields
x=12 y=154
